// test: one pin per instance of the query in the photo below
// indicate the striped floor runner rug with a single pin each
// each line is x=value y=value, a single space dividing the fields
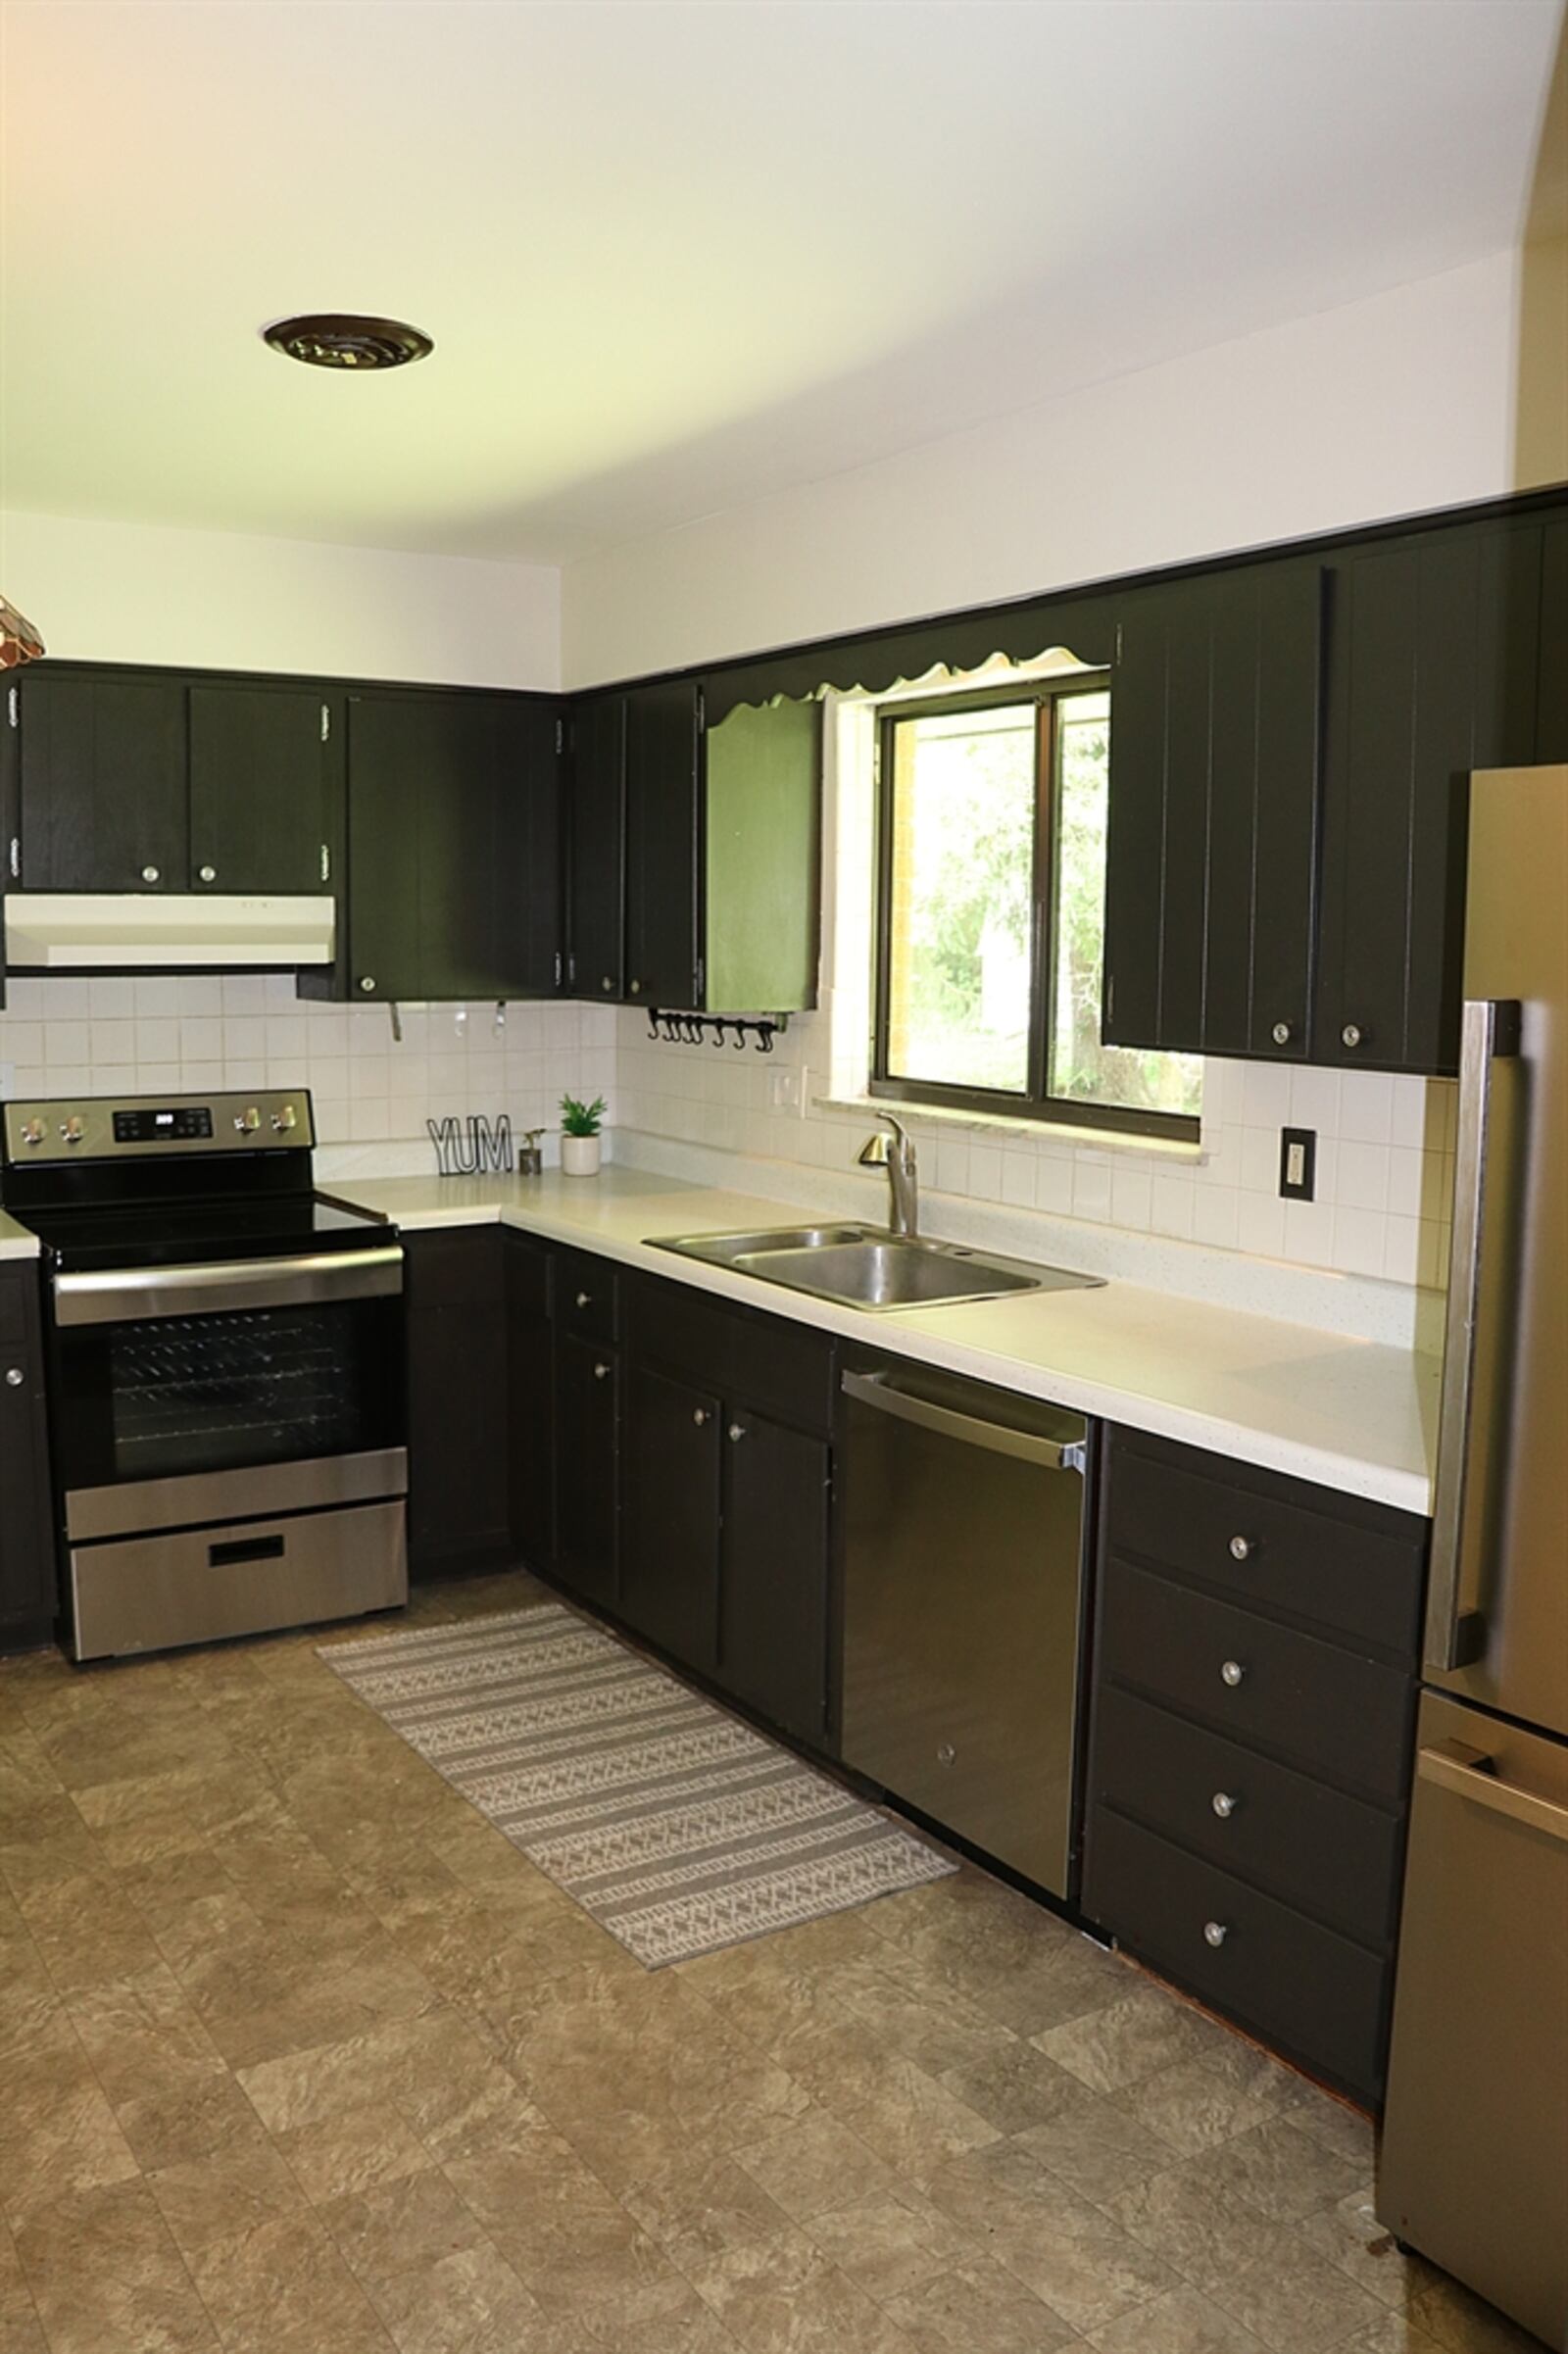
x=679 y=1829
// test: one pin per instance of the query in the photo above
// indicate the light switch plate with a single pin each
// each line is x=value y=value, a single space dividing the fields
x=1297 y=1163
x=784 y=1089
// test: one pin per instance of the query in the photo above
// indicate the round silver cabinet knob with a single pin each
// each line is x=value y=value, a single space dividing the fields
x=368 y=982
x=208 y=874
x=1232 y=1673
x=584 y=1299
x=1224 y=1805
x=600 y=1371
x=150 y=875
x=1240 y=1549
x=15 y=1377
x=1351 y=1035
x=701 y=1415
x=636 y=988
x=1216 y=1932
x=946 y=1753
x=737 y=1429
x=607 y=985
x=1281 y=1034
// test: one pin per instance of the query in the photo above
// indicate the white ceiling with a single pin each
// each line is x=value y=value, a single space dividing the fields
x=675 y=253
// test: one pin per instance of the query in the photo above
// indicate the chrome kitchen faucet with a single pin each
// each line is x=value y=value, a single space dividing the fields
x=895 y=1155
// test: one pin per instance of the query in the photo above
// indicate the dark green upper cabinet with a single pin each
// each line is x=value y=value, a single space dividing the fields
x=1434 y=670
x=1211 y=846
x=101 y=782
x=1551 y=696
x=663 y=845
x=596 y=849
x=453 y=846
x=705 y=896
x=260 y=796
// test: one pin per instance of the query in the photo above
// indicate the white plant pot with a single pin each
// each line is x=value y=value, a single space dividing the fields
x=579 y=1156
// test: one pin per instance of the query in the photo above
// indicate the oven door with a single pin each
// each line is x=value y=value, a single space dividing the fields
x=184 y=1396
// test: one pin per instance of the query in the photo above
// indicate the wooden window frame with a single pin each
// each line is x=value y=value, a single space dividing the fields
x=1034 y=1104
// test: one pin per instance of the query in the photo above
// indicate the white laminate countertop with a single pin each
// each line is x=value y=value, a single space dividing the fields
x=1353 y=1415
x=14 y=1241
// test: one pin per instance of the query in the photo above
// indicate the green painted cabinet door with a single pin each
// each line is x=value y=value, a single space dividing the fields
x=261 y=800
x=762 y=859
x=103 y=781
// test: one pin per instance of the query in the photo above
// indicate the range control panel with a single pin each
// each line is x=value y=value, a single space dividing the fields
x=137 y=1127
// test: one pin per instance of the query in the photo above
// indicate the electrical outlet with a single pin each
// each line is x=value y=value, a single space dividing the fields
x=784 y=1089
x=1297 y=1163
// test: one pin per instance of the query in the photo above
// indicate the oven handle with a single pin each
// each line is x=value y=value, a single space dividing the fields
x=134 y=1294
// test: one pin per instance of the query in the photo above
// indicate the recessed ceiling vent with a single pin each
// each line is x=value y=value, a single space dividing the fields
x=343 y=339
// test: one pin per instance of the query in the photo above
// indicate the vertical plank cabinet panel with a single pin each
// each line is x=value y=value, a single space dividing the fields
x=663 y=845
x=1211 y=850
x=459 y=1504
x=103 y=782
x=774 y=1571
x=588 y=1424
x=528 y=1268
x=1551 y=695
x=1434 y=661
x=28 y=1575
x=669 y=1569
x=453 y=846
x=259 y=796
x=596 y=921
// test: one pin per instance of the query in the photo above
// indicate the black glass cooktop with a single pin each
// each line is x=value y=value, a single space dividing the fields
x=173 y=1233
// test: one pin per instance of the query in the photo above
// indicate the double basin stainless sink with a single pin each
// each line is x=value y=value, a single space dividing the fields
x=866 y=1266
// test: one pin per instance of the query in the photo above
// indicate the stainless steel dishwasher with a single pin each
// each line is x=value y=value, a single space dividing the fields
x=963 y=1517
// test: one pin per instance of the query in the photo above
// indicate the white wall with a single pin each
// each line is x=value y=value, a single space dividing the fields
x=133 y=593
x=1404 y=402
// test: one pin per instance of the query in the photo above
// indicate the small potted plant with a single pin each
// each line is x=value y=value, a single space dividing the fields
x=580 y=1124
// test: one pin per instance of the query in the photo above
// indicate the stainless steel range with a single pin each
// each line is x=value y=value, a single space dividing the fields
x=226 y=1369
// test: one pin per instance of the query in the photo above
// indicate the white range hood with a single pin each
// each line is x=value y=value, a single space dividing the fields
x=100 y=931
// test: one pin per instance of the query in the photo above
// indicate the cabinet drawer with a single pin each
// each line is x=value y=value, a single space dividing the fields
x=1294 y=1983
x=587 y=1296
x=1309 y=1702
x=1334 y=1856
x=1353 y=1569
x=767 y=1362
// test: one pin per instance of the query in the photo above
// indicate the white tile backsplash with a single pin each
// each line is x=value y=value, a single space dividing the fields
x=126 y=1035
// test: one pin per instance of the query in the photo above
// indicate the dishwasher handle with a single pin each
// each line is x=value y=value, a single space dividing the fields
x=874 y=1390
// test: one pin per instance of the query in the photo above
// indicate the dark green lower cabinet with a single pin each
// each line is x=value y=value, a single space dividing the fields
x=530 y=1399
x=459 y=1484
x=773 y=1572
x=587 y=1455
x=670 y=1503
x=27 y=1595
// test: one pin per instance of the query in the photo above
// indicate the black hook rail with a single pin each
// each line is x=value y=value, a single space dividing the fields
x=690 y=1029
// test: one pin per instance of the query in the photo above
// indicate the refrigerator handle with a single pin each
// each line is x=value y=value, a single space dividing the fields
x=1455 y=1635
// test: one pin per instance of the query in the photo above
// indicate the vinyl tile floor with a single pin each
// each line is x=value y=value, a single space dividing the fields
x=299 y=2056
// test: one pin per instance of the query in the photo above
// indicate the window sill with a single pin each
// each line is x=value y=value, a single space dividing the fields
x=1171 y=1150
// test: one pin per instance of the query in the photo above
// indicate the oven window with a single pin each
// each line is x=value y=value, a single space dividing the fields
x=176 y=1394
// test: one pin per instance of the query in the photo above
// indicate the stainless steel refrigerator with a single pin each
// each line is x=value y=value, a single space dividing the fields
x=1474 y=2169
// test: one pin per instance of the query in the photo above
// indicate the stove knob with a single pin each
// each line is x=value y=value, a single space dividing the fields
x=247 y=1123
x=32 y=1131
x=285 y=1120
x=73 y=1130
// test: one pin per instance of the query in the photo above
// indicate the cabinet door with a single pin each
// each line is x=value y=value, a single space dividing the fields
x=1551 y=699
x=456 y=1338
x=27 y=1517
x=774 y=1572
x=1434 y=652
x=1211 y=850
x=587 y=1464
x=453 y=846
x=530 y=1399
x=670 y=1589
x=103 y=782
x=259 y=789
x=596 y=923
x=663 y=845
